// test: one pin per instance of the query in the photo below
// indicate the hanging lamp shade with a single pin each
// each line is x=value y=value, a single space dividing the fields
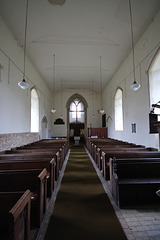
x=101 y=111
x=135 y=86
x=23 y=84
x=53 y=110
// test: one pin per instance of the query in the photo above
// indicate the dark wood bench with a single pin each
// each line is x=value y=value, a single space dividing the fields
x=124 y=154
x=96 y=141
x=125 y=148
x=135 y=181
x=48 y=143
x=113 y=145
x=33 y=164
x=105 y=142
x=36 y=155
x=33 y=179
x=15 y=215
x=121 y=146
x=40 y=150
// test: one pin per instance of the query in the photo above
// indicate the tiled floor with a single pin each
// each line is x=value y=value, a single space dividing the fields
x=138 y=224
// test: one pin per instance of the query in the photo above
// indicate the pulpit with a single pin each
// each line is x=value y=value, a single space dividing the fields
x=157 y=124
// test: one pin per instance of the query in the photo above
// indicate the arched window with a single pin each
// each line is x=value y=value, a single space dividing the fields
x=154 y=82
x=118 y=110
x=76 y=112
x=34 y=111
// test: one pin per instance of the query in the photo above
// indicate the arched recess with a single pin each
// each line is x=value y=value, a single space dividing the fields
x=44 y=127
x=70 y=100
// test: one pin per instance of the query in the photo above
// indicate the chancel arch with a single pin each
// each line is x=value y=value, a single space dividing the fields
x=76 y=116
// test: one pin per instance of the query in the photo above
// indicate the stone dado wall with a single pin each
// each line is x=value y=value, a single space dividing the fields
x=8 y=141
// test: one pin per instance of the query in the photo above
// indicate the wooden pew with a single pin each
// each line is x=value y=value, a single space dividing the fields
x=101 y=143
x=126 y=148
x=121 y=146
x=135 y=181
x=59 y=151
x=49 y=143
x=15 y=215
x=96 y=141
x=97 y=146
x=124 y=154
x=33 y=179
x=36 y=155
x=112 y=145
x=106 y=141
x=115 y=144
x=20 y=164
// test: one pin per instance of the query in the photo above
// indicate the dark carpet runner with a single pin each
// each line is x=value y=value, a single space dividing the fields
x=82 y=208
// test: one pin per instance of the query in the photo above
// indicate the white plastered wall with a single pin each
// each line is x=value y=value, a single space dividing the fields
x=136 y=105
x=15 y=102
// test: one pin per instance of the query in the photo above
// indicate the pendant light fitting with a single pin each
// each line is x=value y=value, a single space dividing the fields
x=101 y=110
x=135 y=86
x=53 y=110
x=23 y=84
x=93 y=97
x=61 y=99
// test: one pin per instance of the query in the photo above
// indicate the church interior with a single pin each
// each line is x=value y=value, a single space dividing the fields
x=78 y=75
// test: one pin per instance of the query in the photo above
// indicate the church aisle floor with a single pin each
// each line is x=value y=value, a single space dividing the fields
x=138 y=224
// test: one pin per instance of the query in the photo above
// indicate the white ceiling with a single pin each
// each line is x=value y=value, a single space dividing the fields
x=78 y=33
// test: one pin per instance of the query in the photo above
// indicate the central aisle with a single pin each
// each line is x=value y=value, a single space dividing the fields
x=82 y=209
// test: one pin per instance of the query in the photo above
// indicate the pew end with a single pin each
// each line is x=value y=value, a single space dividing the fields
x=15 y=215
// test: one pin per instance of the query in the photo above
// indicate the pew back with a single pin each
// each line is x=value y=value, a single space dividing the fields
x=33 y=179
